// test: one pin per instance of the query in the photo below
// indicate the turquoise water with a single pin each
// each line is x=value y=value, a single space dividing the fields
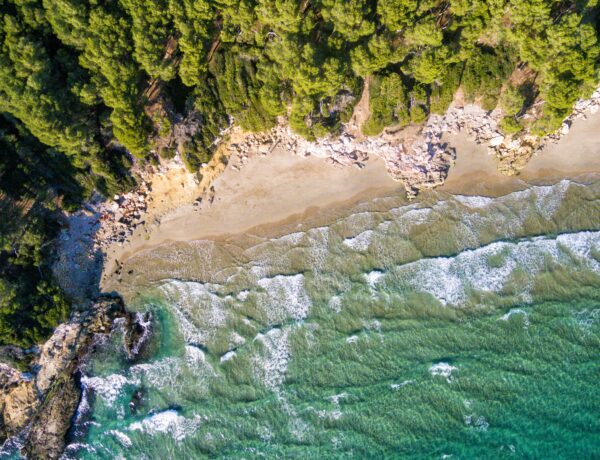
x=453 y=326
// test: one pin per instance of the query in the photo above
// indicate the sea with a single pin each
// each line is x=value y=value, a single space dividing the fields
x=451 y=326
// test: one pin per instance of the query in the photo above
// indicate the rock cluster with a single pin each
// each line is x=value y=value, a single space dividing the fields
x=422 y=163
x=120 y=217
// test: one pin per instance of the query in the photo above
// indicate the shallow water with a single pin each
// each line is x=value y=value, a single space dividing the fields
x=463 y=326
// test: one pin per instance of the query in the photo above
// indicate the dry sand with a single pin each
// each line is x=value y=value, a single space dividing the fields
x=273 y=188
x=268 y=189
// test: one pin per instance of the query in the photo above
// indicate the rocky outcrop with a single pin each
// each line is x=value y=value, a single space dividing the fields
x=514 y=152
x=419 y=161
x=46 y=433
x=37 y=409
x=417 y=167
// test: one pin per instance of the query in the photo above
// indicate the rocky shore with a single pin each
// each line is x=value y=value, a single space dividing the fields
x=36 y=410
x=418 y=157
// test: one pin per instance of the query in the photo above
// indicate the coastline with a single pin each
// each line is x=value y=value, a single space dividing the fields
x=267 y=188
x=282 y=187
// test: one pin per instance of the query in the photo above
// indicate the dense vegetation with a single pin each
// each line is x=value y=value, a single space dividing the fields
x=84 y=84
x=34 y=180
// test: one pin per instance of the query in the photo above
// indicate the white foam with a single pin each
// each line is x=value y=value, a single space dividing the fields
x=413 y=217
x=352 y=339
x=285 y=298
x=397 y=386
x=168 y=422
x=161 y=374
x=242 y=295
x=442 y=369
x=198 y=308
x=335 y=303
x=108 y=388
x=292 y=238
x=166 y=373
x=373 y=277
x=585 y=319
x=360 y=242
x=548 y=198
x=227 y=356
x=271 y=367
x=258 y=271
x=335 y=399
x=476 y=202
x=384 y=226
x=479 y=423
x=449 y=279
x=195 y=360
x=319 y=247
x=236 y=340
x=516 y=311
x=121 y=437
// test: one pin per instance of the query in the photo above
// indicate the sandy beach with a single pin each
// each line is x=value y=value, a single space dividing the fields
x=273 y=188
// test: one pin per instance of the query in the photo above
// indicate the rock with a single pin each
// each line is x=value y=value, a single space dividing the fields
x=19 y=405
x=45 y=404
x=496 y=141
x=564 y=129
x=138 y=328
x=46 y=438
x=56 y=353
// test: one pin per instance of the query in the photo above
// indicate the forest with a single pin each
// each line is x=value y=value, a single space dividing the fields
x=89 y=87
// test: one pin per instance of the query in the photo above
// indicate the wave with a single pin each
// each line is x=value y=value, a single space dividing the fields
x=490 y=268
x=168 y=422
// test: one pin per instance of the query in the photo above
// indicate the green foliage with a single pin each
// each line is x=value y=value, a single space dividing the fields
x=484 y=75
x=86 y=79
x=348 y=19
x=150 y=30
x=512 y=100
x=32 y=179
x=82 y=82
x=442 y=94
x=388 y=103
x=510 y=125
x=76 y=73
x=191 y=19
x=560 y=41
x=238 y=88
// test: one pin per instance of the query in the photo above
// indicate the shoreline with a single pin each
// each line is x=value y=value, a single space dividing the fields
x=274 y=190
x=244 y=203
x=281 y=188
